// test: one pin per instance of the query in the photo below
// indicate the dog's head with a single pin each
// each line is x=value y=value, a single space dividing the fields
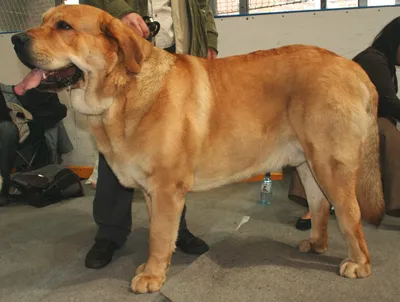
x=74 y=44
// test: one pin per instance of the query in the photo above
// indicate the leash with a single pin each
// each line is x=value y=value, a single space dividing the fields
x=154 y=26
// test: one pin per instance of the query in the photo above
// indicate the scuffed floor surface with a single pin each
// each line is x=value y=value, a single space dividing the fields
x=42 y=254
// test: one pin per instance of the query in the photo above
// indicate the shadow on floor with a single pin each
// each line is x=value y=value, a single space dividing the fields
x=257 y=251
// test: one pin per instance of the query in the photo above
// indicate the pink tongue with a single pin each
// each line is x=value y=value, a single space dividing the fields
x=32 y=80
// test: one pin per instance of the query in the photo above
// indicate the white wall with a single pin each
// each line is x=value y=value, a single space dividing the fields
x=343 y=31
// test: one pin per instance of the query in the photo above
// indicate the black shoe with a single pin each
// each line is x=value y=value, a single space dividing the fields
x=100 y=254
x=190 y=244
x=305 y=224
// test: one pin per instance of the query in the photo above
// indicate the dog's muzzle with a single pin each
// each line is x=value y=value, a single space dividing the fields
x=22 y=45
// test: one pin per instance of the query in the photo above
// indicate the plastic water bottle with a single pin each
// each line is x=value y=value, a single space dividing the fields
x=266 y=190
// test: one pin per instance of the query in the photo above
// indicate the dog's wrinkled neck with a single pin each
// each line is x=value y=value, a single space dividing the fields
x=138 y=92
x=87 y=104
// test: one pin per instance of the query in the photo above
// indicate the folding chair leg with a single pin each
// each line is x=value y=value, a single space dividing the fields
x=23 y=158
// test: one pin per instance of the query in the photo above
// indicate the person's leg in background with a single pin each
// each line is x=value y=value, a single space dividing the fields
x=187 y=242
x=298 y=195
x=112 y=213
x=9 y=138
x=390 y=165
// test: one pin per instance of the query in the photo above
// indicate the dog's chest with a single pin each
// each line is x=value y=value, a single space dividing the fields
x=123 y=161
x=129 y=174
x=127 y=168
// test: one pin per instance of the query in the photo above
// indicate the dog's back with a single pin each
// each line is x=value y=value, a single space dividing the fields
x=256 y=106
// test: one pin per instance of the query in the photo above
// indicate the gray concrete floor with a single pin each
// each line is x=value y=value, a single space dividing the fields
x=42 y=254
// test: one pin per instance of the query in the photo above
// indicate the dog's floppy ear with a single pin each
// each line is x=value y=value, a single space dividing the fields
x=128 y=43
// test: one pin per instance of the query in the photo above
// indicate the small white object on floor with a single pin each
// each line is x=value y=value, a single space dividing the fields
x=243 y=221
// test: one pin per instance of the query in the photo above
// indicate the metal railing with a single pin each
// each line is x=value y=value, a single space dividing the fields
x=240 y=7
x=17 y=15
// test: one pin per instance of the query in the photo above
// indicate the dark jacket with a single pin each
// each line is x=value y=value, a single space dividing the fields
x=383 y=75
x=45 y=107
x=4 y=111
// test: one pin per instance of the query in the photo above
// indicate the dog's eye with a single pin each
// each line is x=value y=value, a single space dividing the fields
x=63 y=25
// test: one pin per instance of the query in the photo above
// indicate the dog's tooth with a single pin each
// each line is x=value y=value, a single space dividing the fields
x=44 y=76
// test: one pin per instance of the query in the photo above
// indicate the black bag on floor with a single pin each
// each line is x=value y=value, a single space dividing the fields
x=46 y=185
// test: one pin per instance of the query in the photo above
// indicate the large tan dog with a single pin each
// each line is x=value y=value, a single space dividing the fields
x=169 y=124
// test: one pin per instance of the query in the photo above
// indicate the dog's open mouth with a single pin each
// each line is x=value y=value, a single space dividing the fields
x=51 y=80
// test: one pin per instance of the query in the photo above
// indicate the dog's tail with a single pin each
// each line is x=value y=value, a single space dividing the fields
x=369 y=186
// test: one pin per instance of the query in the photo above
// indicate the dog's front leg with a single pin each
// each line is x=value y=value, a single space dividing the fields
x=165 y=209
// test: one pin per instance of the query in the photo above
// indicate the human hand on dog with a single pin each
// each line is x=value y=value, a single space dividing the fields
x=212 y=54
x=136 y=22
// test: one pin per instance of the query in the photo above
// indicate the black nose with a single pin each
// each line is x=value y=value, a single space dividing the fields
x=21 y=38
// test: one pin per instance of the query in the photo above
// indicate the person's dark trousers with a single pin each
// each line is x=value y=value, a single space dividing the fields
x=9 y=138
x=112 y=206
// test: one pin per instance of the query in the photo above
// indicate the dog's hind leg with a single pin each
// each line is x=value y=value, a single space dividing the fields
x=337 y=176
x=319 y=210
x=165 y=205
x=333 y=135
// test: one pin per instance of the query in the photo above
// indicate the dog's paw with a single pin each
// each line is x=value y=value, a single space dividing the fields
x=140 y=268
x=146 y=283
x=353 y=270
x=307 y=246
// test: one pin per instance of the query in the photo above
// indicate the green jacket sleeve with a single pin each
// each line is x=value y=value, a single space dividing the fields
x=116 y=8
x=212 y=34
